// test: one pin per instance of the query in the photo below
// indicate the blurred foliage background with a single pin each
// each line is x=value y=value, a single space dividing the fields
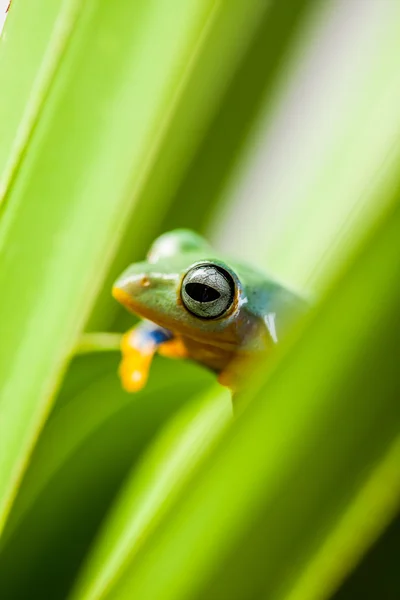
x=273 y=128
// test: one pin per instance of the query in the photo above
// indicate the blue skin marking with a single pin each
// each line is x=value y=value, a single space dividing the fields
x=149 y=334
x=160 y=335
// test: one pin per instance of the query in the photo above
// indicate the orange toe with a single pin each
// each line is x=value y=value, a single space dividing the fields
x=134 y=371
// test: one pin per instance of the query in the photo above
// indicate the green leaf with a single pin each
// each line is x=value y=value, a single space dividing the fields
x=31 y=47
x=153 y=489
x=95 y=435
x=91 y=396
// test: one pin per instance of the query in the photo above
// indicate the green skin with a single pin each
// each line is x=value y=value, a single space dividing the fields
x=260 y=312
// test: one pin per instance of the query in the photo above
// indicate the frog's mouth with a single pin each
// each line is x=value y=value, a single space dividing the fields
x=139 y=309
x=126 y=300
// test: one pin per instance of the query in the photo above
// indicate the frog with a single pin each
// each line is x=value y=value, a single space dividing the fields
x=195 y=303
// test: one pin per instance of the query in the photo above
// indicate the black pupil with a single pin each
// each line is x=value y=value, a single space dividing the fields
x=201 y=292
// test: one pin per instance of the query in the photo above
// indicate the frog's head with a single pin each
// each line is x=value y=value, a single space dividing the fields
x=183 y=287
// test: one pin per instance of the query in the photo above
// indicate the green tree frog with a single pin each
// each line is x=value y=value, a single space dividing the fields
x=198 y=305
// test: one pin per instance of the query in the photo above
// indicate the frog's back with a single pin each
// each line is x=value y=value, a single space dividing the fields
x=265 y=296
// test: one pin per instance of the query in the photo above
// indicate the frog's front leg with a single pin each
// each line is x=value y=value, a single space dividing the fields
x=173 y=348
x=138 y=347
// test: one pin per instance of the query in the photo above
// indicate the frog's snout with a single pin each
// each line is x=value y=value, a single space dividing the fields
x=127 y=288
x=144 y=290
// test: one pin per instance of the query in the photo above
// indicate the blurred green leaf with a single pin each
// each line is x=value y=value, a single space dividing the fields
x=152 y=490
x=92 y=395
x=31 y=47
x=94 y=437
x=378 y=574
x=253 y=520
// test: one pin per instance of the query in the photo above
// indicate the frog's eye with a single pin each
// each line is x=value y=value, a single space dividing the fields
x=207 y=291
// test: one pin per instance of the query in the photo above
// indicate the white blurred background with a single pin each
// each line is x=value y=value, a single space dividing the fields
x=3 y=12
x=310 y=171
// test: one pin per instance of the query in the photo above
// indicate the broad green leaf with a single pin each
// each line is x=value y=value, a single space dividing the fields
x=91 y=396
x=373 y=507
x=298 y=463
x=378 y=573
x=103 y=112
x=177 y=454
x=95 y=435
x=31 y=47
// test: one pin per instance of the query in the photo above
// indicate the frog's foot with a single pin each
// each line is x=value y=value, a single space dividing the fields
x=138 y=347
x=174 y=348
x=134 y=370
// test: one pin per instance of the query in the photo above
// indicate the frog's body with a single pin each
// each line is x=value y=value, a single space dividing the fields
x=217 y=313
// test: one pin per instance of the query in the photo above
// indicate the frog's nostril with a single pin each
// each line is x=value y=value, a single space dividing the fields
x=145 y=282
